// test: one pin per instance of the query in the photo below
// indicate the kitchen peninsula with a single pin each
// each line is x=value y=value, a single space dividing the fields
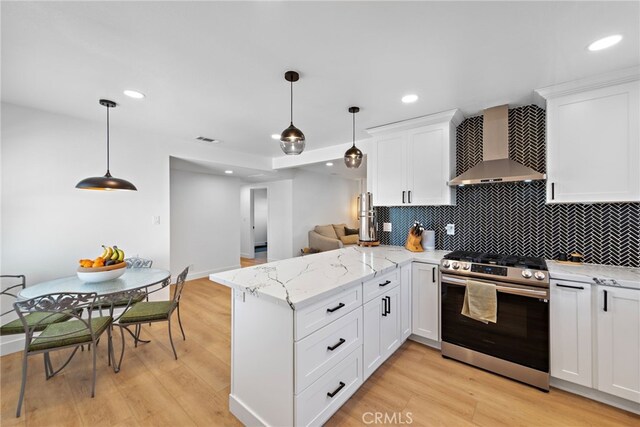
x=297 y=329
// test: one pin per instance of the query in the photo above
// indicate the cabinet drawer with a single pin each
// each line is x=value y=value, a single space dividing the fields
x=314 y=317
x=322 y=399
x=379 y=285
x=317 y=353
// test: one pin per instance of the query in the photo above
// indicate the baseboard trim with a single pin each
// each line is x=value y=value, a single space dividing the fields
x=247 y=255
x=244 y=414
x=426 y=341
x=206 y=273
x=597 y=395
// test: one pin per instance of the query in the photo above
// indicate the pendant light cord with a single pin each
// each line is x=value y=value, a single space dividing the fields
x=108 y=173
x=291 y=103
x=354 y=129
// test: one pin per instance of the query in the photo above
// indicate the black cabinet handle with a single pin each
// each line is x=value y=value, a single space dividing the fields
x=337 y=307
x=384 y=284
x=605 y=300
x=403 y=196
x=553 y=190
x=338 y=344
x=570 y=287
x=384 y=307
x=388 y=304
x=334 y=392
x=409 y=198
x=433 y=275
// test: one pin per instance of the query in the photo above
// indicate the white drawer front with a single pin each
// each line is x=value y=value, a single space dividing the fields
x=315 y=405
x=379 y=285
x=314 y=317
x=317 y=353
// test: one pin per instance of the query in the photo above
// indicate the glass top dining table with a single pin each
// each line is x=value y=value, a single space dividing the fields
x=132 y=279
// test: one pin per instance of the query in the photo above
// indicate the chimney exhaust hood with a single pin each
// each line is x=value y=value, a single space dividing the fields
x=496 y=165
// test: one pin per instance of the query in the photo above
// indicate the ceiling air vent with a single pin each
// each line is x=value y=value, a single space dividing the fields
x=205 y=139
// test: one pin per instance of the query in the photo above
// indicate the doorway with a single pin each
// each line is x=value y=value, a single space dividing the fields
x=259 y=222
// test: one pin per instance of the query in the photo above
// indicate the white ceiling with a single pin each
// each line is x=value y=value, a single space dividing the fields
x=212 y=168
x=216 y=69
x=338 y=169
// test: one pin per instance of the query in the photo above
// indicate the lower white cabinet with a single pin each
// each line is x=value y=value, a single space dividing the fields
x=618 y=341
x=425 y=294
x=570 y=318
x=405 y=300
x=382 y=329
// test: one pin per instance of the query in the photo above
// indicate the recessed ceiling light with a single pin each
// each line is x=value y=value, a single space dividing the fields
x=275 y=136
x=329 y=163
x=228 y=172
x=133 y=94
x=408 y=99
x=605 y=42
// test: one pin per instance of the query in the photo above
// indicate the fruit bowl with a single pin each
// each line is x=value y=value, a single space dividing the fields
x=101 y=274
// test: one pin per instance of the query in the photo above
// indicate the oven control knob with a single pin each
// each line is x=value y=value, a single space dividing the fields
x=466 y=266
x=455 y=265
x=526 y=274
x=446 y=263
x=539 y=275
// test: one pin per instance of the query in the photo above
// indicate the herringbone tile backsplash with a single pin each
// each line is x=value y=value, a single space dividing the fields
x=512 y=218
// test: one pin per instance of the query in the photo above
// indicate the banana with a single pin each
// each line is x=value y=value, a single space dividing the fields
x=104 y=252
x=120 y=255
x=109 y=253
x=114 y=255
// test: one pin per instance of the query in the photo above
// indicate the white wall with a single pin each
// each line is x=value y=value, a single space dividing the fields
x=260 y=212
x=205 y=223
x=321 y=199
x=280 y=219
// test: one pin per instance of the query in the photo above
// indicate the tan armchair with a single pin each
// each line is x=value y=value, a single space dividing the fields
x=327 y=237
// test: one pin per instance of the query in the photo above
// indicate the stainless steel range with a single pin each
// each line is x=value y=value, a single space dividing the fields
x=517 y=345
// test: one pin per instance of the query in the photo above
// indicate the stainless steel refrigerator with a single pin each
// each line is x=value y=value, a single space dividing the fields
x=368 y=220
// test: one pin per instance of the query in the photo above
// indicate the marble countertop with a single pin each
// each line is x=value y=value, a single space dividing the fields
x=608 y=275
x=301 y=281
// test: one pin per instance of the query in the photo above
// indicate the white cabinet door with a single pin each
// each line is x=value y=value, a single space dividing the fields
x=593 y=146
x=570 y=317
x=428 y=166
x=425 y=294
x=372 y=324
x=390 y=328
x=390 y=171
x=618 y=349
x=405 y=300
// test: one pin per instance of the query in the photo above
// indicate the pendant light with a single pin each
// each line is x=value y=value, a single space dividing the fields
x=353 y=156
x=292 y=139
x=106 y=182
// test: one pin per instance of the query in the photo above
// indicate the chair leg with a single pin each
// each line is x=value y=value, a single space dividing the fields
x=180 y=323
x=171 y=340
x=24 y=382
x=137 y=337
x=93 y=385
x=116 y=368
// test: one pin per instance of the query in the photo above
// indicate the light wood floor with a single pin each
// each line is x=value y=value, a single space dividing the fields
x=153 y=389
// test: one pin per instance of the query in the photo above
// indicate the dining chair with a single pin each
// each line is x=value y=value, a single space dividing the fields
x=135 y=262
x=156 y=311
x=15 y=326
x=57 y=336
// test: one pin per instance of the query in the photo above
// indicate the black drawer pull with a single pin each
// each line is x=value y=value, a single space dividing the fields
x=338 y=344
x=337 y=307
x=409 y=196
x=388 y=304
x=403 y=193
x=570 y=287
x=334 y=392
x=384 y=307
x=605 y=300
x=553 y=191
x=433 y=275
x=385 y=283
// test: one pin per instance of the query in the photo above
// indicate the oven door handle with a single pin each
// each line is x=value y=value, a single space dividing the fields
x=524 y=292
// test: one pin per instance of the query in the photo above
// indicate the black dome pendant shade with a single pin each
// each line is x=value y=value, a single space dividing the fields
x=292 y=139
x=106 y=182
x=353 y=156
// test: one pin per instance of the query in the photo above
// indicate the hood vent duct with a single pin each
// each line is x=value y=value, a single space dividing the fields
x=496 y=165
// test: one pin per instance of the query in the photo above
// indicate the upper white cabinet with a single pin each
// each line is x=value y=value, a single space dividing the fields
x=411 y=162
x=570 y=317
x=593 y=140
x=618 y=337
x=426 y=301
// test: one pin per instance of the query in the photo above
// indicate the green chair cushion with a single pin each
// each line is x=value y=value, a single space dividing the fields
x=147 y=311
x=15 y=326
x=120 y=303
x=68 y=333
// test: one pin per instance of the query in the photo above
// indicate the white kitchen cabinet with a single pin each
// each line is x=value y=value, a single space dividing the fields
x=425 y=300
x=411 y=162
x=593 y=142
x=405 y=301
x=618 y=341
x=382 y=330
x=570 y=318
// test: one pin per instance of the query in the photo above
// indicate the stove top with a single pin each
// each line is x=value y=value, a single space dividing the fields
x=497 y=259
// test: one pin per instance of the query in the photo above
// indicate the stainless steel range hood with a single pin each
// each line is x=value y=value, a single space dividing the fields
x=496 y=165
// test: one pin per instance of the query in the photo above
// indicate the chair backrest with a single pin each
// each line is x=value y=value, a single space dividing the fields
x=69 y=304
x=180 y=285
x=135 y=262
x=12 y=290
